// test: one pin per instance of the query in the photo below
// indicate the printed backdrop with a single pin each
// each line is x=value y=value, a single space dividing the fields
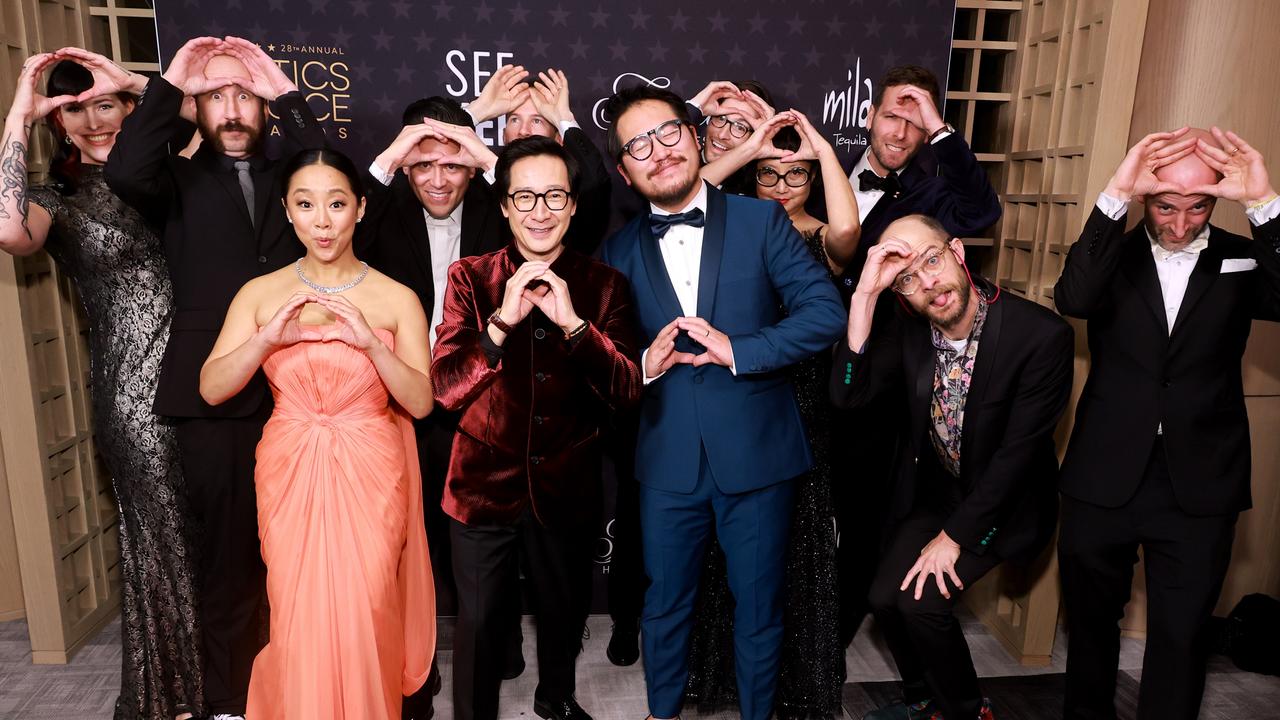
x=360 y=62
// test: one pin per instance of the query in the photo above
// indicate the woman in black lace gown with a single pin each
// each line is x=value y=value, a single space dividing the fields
x=119 y=270
x=812 y=668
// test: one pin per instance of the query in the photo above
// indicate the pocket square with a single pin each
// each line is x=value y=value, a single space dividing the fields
x=1230 y=265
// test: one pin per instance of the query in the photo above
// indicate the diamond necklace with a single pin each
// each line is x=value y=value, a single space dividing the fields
x=330 y=290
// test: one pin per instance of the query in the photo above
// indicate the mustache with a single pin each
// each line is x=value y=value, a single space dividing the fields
x=234 y=126
x=675 y=160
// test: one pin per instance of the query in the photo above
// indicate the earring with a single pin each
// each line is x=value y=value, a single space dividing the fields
x=66 y=139
x=286 y=217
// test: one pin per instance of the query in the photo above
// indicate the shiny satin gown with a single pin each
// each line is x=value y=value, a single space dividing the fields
x=340 y=519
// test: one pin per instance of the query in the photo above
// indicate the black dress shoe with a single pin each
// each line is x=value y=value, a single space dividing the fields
x=567 y=709
x=624 y=644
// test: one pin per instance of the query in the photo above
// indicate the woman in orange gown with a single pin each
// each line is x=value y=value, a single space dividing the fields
x=339 y=490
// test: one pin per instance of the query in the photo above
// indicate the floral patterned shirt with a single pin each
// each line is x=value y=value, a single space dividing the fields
x=953 y=371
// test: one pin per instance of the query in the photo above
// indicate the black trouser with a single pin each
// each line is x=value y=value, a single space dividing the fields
x=627 y=580
x=924 y=635
x=486 y=569
x=1185 y=560
x=863 y=456
x=218 y=458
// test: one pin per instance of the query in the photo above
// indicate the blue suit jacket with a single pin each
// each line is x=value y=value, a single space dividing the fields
x=754 y=264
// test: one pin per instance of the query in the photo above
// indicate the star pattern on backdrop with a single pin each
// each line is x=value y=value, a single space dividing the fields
x=392 y=52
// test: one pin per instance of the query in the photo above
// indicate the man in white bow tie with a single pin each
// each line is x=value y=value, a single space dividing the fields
x=1159 y=456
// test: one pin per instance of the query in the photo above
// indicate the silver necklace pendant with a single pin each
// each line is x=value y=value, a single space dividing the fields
x=331 y=290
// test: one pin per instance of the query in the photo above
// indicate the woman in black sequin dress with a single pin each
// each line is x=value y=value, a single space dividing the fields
x=119 y=270
x=812 y=668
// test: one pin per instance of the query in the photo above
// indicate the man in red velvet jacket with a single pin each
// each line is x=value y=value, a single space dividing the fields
x=537 y=346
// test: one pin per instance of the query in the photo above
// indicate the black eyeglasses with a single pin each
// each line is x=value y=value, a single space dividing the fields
x=526 y=200
x=795 y=177
x=640 y=147
x=737 y=128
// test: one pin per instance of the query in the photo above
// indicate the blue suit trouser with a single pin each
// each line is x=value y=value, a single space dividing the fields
x=753 y=529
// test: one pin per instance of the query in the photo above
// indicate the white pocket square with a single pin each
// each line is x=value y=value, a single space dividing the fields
x=1230 y=265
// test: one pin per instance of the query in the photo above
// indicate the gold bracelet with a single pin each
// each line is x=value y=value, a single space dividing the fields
x=1260 y=203
x=582 y=327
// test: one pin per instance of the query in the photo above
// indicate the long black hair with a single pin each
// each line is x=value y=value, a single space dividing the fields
x=69 y=78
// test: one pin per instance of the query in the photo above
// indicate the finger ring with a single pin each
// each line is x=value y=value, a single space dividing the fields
x=1233 y=151
x=706 y=333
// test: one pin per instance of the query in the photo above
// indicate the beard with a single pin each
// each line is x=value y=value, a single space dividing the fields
x=675 y=193
x=877 y=148
x=213 y=136
x=947 y=319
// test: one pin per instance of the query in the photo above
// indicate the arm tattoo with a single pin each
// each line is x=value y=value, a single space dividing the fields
x=13 y=180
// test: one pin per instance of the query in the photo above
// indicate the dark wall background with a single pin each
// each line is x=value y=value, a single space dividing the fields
x=360 y=62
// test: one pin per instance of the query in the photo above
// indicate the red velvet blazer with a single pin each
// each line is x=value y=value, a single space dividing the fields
x=532 y=413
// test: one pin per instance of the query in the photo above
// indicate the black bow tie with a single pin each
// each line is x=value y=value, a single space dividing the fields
x=660 y=224
x=868 y=180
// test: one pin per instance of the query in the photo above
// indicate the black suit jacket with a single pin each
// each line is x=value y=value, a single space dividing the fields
x=1142 y=376
x=392 y=237
x=1021 y=382
x=959 y=195
x=211 y=246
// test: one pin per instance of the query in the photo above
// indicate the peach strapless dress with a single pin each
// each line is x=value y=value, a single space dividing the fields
x=353 y=621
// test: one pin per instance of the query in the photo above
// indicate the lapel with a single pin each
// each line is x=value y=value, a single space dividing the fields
x=712 y=253
x=476 y=213
x=664 y=293
x=1202 y=276
x=919 y=361
x=988 y=347
x=1140 y=267
x=413 y=220
x=212 y=162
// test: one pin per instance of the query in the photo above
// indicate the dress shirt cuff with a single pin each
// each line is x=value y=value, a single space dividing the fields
x=492 y=350
x=567 y=125
x=644 y=373
x=379 y=174
x=1264 y=213
x=491 y=176
x=733 y=363
x=470 y=115
x=1112 y=207
x=940 y=137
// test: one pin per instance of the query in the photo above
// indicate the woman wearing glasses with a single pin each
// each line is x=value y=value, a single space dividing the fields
x=536 y=349
x=798 y=160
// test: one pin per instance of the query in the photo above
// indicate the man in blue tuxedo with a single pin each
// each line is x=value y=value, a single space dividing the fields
x=727 y=297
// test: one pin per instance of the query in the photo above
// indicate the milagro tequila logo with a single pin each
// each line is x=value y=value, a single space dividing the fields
x=847 y=109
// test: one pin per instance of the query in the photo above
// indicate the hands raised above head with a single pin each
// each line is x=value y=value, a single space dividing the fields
x=29 y=103
x=462 y=147
x=550 y=97
x=1244 y=173
x=505 y=91
x=917 y=106
x=262 y=77
x=1136 y=176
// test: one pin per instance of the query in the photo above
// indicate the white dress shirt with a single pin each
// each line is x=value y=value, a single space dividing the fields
x=444 y=235
x=681 y=249
x=868 y=199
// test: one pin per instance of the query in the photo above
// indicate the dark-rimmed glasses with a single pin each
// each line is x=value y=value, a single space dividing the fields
x=640 y=147
x=795 y=177
x=737 y=128
x=527 y=200
x=932 y=265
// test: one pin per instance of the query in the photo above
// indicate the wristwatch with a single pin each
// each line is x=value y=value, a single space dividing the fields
x=946 y=128
x=496 y=319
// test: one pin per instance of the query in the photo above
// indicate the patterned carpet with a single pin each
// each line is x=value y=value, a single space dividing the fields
x=86 y=688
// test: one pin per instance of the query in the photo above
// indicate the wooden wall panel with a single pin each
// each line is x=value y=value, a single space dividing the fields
x=1212 y=62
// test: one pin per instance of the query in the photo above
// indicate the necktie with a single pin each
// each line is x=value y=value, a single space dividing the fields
x=246 y=185
x=868 y=180
x=660 y=224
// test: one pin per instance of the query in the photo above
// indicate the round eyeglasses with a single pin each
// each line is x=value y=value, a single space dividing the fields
x=526 y=200
x=934 y=262
x=795 y=177
x=737 y=128
x=640 y=147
